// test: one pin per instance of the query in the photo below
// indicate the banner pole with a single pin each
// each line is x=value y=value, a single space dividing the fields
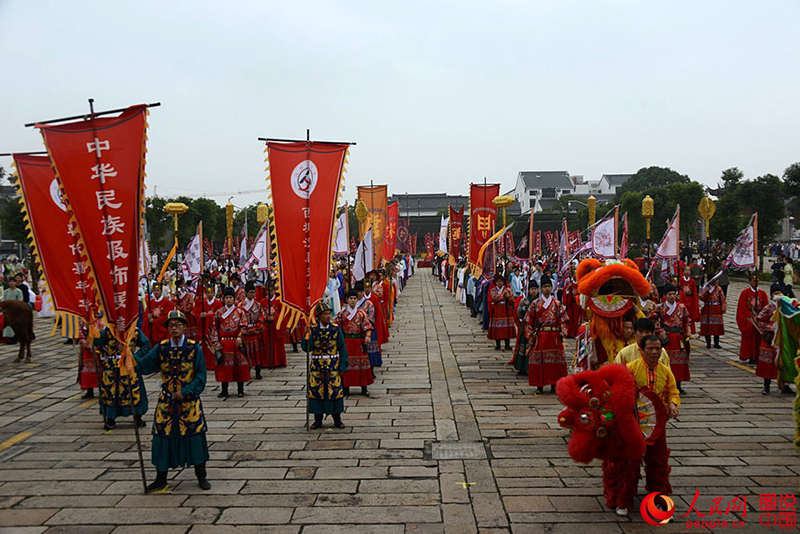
x=308 y=291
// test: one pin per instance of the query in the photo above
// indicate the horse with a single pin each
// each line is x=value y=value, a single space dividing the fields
x=19 y=317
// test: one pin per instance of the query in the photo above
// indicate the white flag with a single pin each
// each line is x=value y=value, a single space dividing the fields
x=340 y=242
x=443 y=235
x=745 y=252
x=260 y=254
x=669 y=248
x=365 y=250
x=604 y=238
x=191 y=265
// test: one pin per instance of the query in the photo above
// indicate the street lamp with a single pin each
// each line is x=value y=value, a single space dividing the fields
x=591 y=203
x=175 y=209
x=647 y=213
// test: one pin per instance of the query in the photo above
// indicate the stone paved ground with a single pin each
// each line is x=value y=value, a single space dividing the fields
x=443 y=382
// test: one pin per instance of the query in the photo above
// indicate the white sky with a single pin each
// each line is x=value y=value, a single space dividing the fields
x=436 y=94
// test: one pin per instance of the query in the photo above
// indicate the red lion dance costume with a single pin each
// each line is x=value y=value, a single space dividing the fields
x=613 y=421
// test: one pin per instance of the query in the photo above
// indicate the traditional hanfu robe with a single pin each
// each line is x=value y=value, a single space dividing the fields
x=372 y=345
x=179 y=428
x=354 y=325
x=328 y=353
x=295 y=335
x=520 y=359
x=380 y=323
x=241 y=294
x=572 y=303
x=186 y=300
x=118 y=392
x=766 y=367
x=751 y=302
x=333 y=288
x=228 y=325
x=154 y=327
x=87 y=370
x=688 y=297
x=714 y=307
x=672 y=323
x=252 y=335
x=205 y=328
x=274 y=345
x=501 y=313
x=546 y=325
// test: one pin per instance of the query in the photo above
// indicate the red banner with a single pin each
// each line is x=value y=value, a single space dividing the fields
x=456 y=231
x=100 y=165
x=403 y=237
x=390 y=236
x=413 y=248
x=55 y=244
x=536 y=243
x=374 y=197
x=305 y=182
x=482 y=215
x=429 y=244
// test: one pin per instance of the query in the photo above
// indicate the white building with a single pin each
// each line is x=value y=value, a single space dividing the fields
x=603 y=190
x=539 y=190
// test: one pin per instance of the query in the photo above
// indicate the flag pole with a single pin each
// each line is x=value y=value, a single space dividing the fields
x=308 y=289
x=91 y=117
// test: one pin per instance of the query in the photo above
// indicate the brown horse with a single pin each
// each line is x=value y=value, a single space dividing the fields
x=19 y=317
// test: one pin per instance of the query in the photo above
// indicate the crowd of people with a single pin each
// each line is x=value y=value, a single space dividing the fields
x=231 y=326
x=524 y=302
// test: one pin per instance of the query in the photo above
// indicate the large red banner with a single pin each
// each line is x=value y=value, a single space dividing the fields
x=482 y=215
x=100 y=165
x=374 y=197
x=55 y=243
x=390 y=238
x=413 y=249
x=403 y=237
x=456 y=231
x=305 y=181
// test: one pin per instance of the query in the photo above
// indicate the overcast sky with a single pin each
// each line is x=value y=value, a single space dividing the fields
x=436 y=93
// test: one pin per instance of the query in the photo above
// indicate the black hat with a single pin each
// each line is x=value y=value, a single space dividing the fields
x=235 y=276
x=158 y=285
x=499 y=276
x=775 y=288
x=545 y=281
x=359 y=286
x=228 y=291
x=177 y=315
x=250 y=286
x=668 y=288
x=351 y=293
x=323 y=306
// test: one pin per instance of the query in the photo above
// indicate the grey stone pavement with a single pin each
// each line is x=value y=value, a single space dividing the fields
x=451 y=440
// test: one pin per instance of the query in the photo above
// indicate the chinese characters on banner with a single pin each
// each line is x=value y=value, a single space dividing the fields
x=482 y=215
x=374 y=197
x=305 y=181
x=390 y=238
x=56 y=243
x=100 y=165
x=456 y=227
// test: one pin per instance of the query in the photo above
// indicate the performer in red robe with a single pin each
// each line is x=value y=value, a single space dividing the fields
x=501 y=313
x=229 y=321
x=545 y=327
x=204 y=310
x=766 y=367
x=274 y=344
x=357 y=328
x=87 y=371
x=158 y=307
x=672 y=323
x=751 y=302
x=381 y=323
x=714 y=307
x=252 y=335
x=185 y=303
x=689 y=298
x=238 y=288
x=572 y=302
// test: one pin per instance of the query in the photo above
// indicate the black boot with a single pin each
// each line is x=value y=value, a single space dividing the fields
x=159 y=483
x=767 y=382
x=553 y=388
x=496 y=344
x=294 y=347
x=508 y=344
x=89 y=394
x=540 y=389
x=224 y=393
x=109 y=424
x=317 y=421
x=240 y=389
x=138 y=421
x=364 y=391
x=337 y=420
x=200 y=471
x=708 y=342
x=716 y=342
x=258 y=373
x=346 y=392
x=680 y=389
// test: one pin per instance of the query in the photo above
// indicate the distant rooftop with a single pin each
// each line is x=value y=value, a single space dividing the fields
x=540 y=179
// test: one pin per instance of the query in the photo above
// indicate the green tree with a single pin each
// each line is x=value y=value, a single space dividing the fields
x=731 y=177
x=665 y=200
x=648 y=177
x=791 y=178
x=12 y=220
x=764 y=195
